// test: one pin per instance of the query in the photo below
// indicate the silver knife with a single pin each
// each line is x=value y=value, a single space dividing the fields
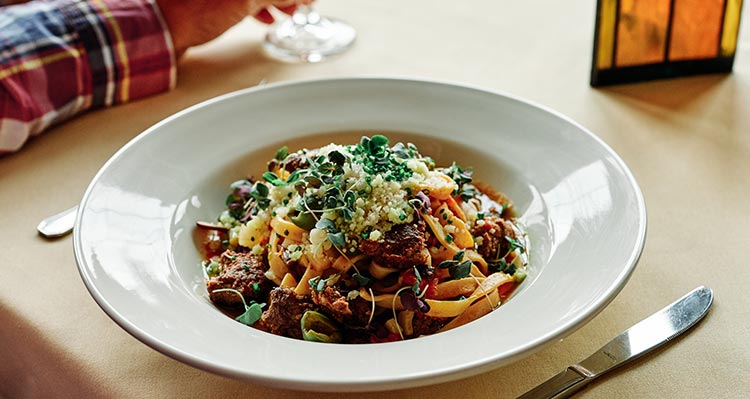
x=649 y=334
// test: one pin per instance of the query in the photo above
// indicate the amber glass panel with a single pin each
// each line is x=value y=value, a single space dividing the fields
x=641 y=32
x=696 y=25
x=607 y=16
x=731 y=24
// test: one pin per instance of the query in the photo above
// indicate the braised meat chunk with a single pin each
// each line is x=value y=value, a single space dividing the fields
x=242 y=272
x=285 y=311
x=426 y=325
x=401 y=247
x=490 y=234
x=355 y=312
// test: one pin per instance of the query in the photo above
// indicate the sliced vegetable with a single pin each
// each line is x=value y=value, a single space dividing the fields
x=305 y=220
x=316 y=327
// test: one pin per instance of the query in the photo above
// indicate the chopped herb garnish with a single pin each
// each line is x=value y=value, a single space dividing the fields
x=377 y=158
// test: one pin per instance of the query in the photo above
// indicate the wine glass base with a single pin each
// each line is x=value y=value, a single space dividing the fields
x=290 y=41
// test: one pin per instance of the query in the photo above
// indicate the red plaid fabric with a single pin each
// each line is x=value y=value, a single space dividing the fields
x=62 y=57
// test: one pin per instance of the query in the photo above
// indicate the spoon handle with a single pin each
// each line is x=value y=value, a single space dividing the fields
x=59 y=224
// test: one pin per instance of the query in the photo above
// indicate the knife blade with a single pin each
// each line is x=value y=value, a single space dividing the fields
x=640 y=339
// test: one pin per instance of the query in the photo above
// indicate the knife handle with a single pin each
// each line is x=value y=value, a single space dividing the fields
x=563 y=385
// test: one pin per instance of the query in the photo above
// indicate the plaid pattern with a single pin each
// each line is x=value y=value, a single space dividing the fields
x=62 y=57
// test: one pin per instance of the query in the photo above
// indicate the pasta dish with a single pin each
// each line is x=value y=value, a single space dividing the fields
x=362 y=243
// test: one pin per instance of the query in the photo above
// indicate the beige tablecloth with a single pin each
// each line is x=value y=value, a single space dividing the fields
x=687 y=141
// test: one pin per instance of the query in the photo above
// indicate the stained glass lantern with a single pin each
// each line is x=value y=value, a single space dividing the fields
x=639 y=40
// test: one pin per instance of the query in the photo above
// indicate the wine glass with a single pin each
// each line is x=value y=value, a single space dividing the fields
x=308 y=37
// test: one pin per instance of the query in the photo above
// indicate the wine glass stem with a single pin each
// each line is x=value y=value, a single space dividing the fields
x=308 y=37
x=305 y=15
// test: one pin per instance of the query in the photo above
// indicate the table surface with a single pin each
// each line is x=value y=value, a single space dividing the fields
x=686 y=140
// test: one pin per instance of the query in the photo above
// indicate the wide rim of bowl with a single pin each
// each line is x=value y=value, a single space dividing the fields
x=365 y=383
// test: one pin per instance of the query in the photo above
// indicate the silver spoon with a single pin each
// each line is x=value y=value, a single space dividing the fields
x=59 y=224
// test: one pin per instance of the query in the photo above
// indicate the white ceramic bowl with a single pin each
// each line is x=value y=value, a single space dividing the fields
x=584 y=213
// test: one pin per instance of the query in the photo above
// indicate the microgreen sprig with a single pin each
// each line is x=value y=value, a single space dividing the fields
x=515 y=244
x=281 y=153
x=457 y=267
x=462 y=177
x=416 y=287
x=252 y=312
x=500 y=264
x=336 y=237
x=247 y=198
x=363 y=281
